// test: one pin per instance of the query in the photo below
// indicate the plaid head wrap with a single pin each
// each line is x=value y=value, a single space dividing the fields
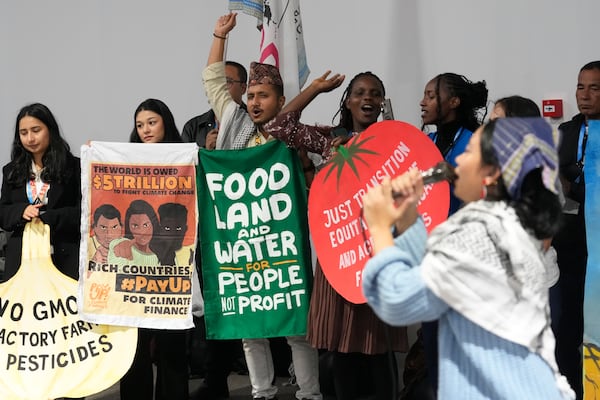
x=264 y=73
x=523 y=145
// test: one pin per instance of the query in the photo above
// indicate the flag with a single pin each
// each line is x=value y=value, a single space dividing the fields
x=282 y=39
x=250 y=7
x=591 y=334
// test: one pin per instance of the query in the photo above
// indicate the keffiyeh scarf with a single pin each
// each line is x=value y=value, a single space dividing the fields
x=487 y=267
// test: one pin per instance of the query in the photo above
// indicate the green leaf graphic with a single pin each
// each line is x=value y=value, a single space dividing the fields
x=348 y=156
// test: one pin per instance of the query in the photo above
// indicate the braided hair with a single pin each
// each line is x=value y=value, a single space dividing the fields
x=473 y=98
x=345 y=120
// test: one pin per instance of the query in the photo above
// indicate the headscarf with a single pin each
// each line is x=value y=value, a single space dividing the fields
x=523 y=145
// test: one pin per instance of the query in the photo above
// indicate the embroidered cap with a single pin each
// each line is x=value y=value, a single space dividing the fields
x=264 y=73
x=523 y=145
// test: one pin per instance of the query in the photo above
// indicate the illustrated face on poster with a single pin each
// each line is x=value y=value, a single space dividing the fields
x=173 y=225
x=107 y=226
x=141 y=230
x=106 y=230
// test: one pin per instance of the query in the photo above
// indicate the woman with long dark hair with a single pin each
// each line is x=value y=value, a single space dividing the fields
x=354 y=337
x=483 y=273
x=154 y=123
x=42 y=180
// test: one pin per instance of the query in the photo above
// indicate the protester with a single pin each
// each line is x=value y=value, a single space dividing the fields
x=356 y=339
x=571 y=241
x=514 y=106
x=43 y=180
x=456 y=107
x=213 y=359
x=154 y=123
x=204 y=128
x=483 y=272
x=241 y=129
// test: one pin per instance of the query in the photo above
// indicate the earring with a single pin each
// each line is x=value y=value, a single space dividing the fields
x=484 y=189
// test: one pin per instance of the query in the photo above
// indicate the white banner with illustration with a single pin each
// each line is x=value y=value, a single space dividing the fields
x=138 y=234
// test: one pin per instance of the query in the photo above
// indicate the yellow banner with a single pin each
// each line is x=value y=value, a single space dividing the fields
x=46 y=350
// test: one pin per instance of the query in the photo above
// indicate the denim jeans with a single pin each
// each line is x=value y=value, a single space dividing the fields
x=260 y=367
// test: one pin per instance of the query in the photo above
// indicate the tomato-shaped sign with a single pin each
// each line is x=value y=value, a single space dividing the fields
x=340 y=236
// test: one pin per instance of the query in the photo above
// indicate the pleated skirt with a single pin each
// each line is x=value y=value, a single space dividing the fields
x=336 y=324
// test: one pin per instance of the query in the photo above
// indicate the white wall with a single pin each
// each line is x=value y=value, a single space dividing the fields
x=93 y=61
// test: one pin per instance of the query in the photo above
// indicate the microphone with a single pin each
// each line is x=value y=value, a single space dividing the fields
x=441 y=171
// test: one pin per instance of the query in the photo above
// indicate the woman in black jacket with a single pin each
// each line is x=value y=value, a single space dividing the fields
x=43 y=179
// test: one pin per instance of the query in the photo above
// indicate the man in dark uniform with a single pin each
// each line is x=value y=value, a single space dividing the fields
x=570 y=243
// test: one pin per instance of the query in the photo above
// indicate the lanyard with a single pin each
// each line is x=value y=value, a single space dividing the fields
x=32 y=195
x=451 y=145
x=583 y=137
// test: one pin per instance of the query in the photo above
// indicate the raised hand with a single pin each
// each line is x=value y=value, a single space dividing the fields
x=225 y=24
x=323 y=84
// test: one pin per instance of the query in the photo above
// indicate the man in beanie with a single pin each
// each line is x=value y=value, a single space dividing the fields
x=241 y=129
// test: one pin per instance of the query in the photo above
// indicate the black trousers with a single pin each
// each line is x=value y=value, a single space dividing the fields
x=219 y=356
x=357 y=375
x=168 y=349
x=566 y=300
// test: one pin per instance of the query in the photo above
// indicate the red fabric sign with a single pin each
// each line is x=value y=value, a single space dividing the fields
x=341 y=240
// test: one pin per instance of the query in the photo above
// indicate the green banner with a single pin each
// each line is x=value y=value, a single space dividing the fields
x=254 y=242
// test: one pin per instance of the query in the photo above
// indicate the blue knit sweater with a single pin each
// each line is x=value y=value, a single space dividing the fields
x=474 y=363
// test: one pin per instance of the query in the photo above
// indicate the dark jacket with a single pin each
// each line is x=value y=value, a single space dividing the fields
x=63 y=215
x=570 y=241
x=567 y=154
x=196 y=129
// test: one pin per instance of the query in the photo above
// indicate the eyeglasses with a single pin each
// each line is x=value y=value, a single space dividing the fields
x=232 y=81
